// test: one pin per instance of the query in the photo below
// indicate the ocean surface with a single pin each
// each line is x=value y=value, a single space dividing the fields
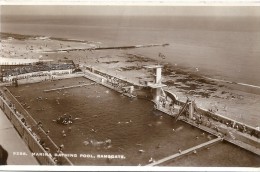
x=226 y=48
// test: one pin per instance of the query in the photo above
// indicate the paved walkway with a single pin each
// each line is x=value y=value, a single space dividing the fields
x=12 y=142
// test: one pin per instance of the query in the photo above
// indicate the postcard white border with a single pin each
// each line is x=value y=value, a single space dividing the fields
x=127 y=3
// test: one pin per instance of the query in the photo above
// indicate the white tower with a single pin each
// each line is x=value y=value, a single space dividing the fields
x=157 y=84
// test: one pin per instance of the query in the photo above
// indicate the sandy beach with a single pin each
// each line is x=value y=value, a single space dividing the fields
x=238 y=102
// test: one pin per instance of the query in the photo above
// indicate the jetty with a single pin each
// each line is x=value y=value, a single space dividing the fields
x=107 y=48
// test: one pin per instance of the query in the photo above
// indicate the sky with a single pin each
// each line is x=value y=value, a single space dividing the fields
x=130 y=10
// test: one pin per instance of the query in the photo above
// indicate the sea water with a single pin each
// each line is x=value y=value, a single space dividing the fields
x=225 y=48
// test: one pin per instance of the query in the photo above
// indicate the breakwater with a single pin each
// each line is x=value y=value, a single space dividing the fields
x=107 y=48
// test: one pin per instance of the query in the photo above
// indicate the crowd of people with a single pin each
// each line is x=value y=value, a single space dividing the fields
x=165 y=103
x=228 y=123
x=36 y=68
x=116 y=83
x=208 y=119
x=65 y=120
x=36 y=130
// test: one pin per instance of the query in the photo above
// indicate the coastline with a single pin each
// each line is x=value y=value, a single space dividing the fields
x=228 y=99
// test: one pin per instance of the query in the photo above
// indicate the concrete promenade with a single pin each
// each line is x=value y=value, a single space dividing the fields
x=12 y=142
